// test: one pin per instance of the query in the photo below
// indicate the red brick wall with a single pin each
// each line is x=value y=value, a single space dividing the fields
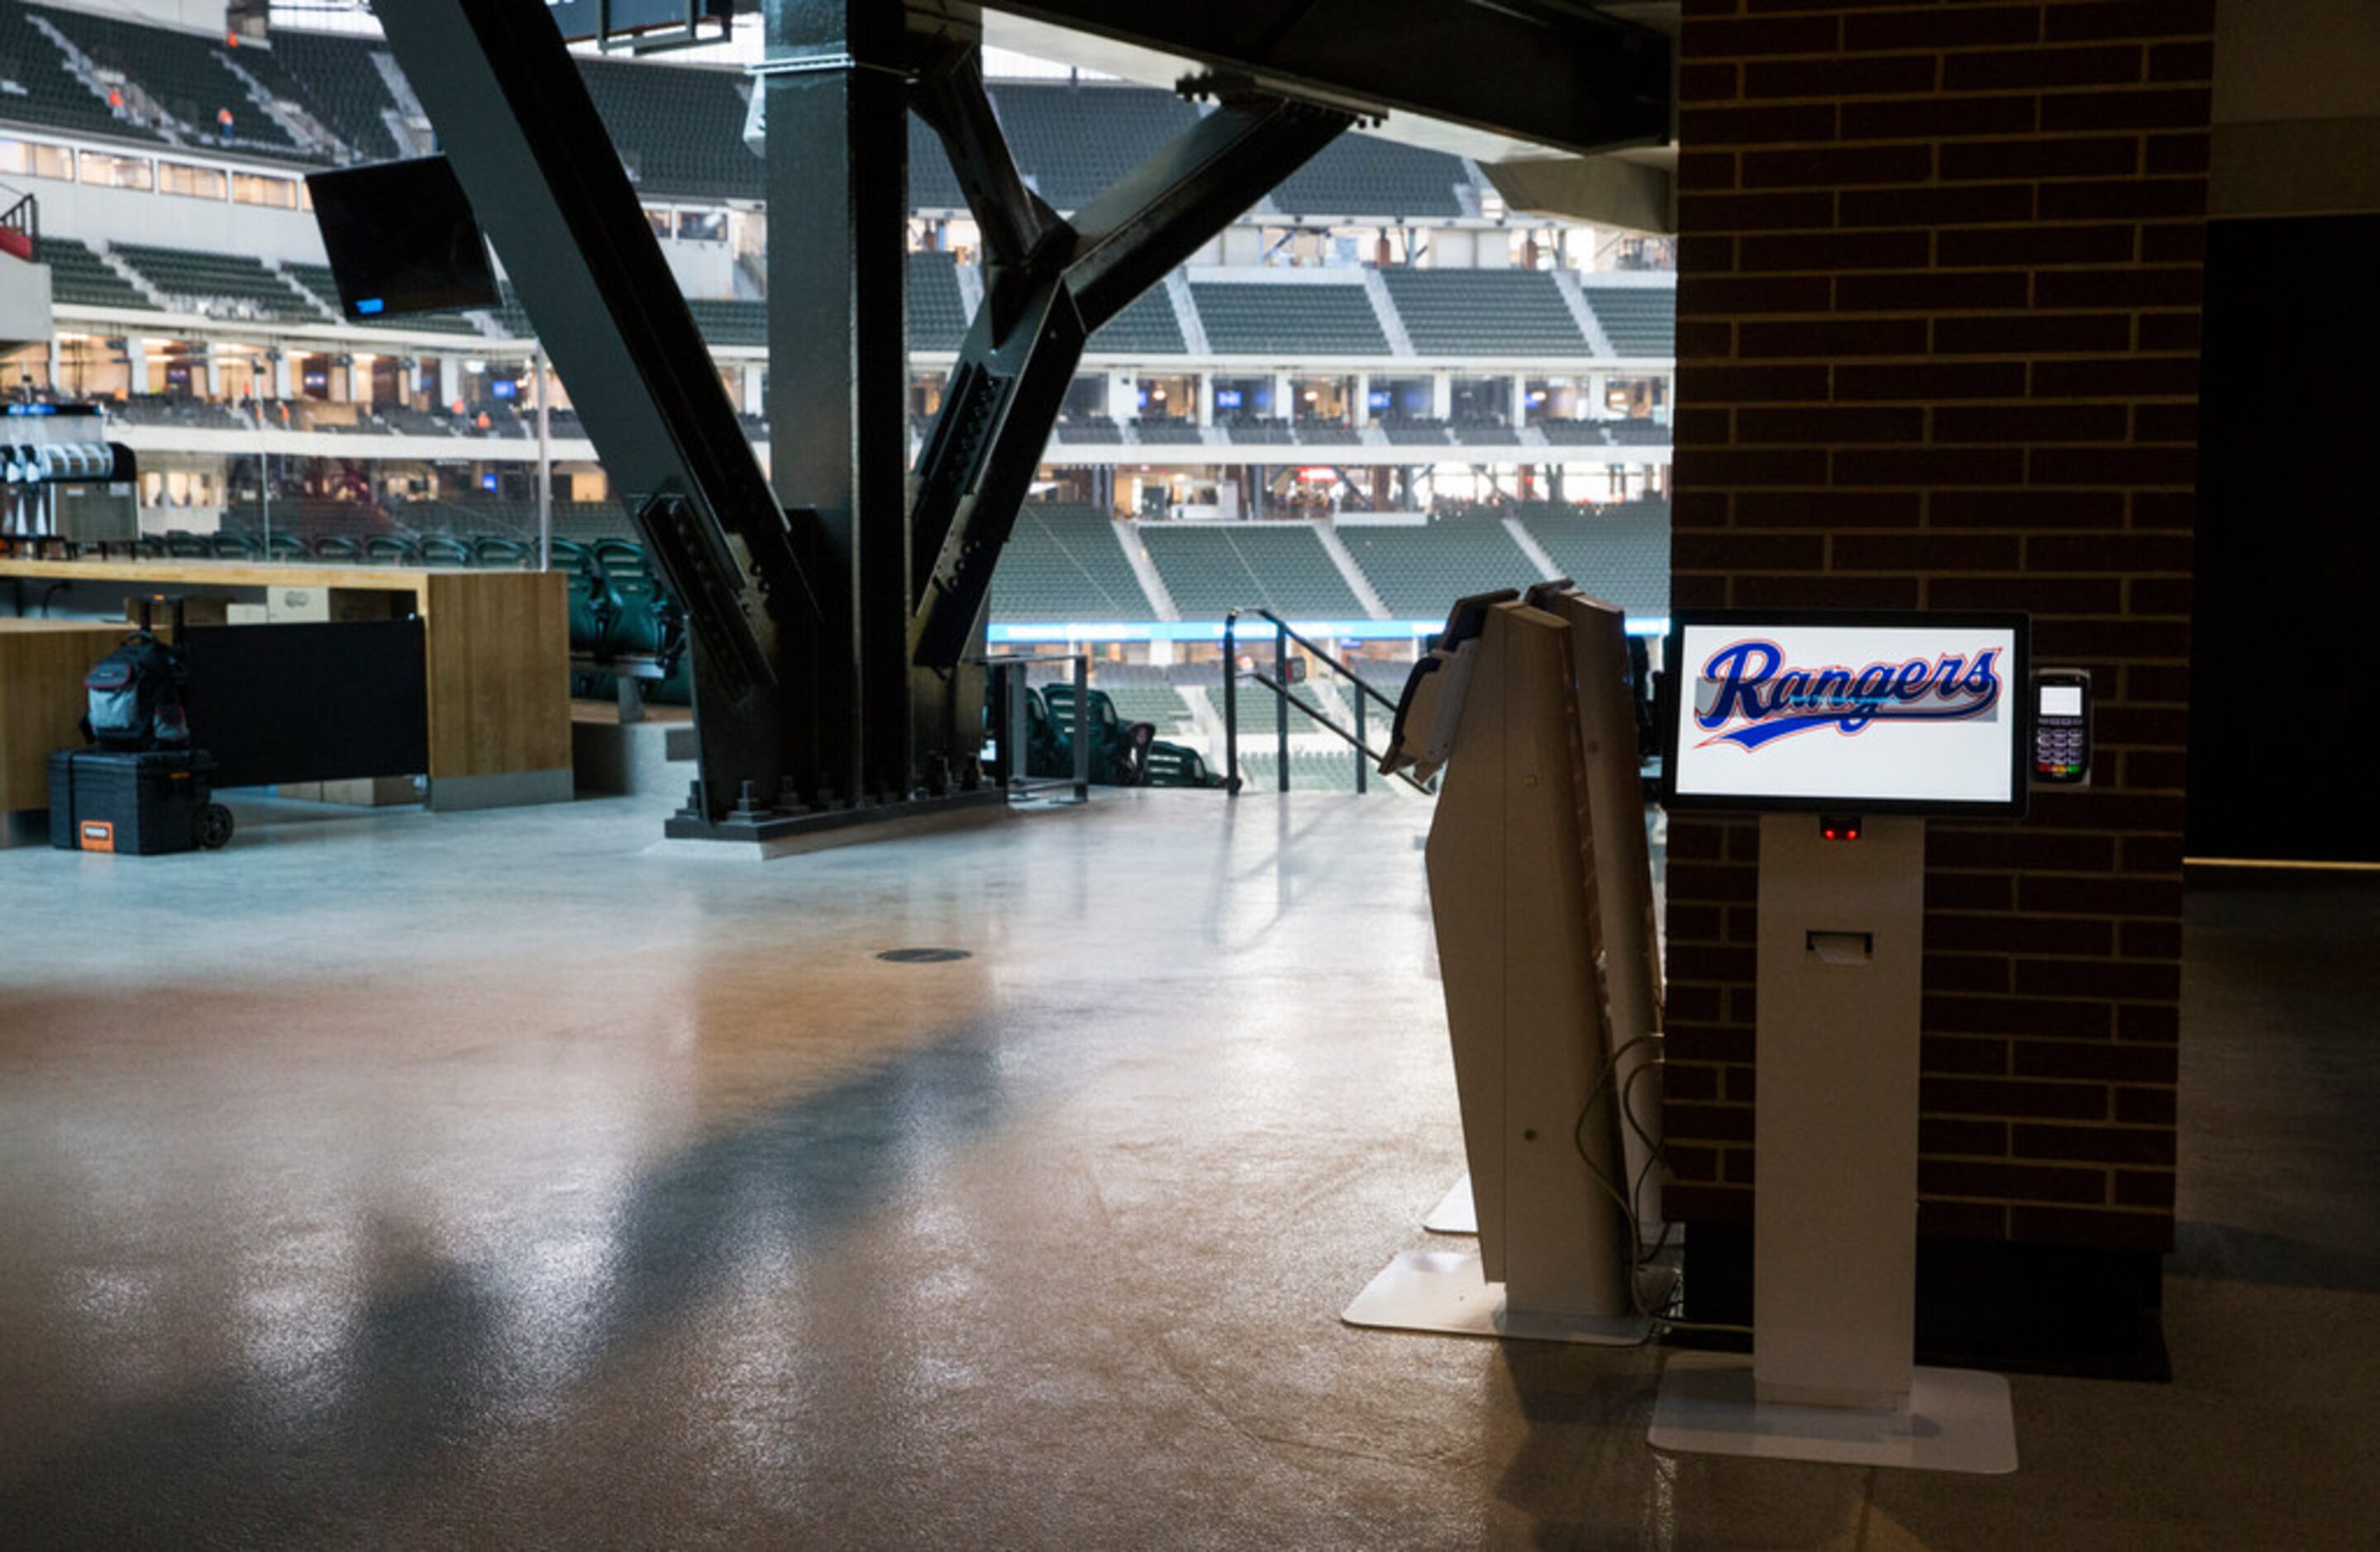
x=1938 y=350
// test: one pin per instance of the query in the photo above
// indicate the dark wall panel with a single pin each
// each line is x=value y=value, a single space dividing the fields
x=310 y=702
x=2288 y=542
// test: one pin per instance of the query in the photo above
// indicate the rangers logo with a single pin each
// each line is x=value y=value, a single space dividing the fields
x=1745 y=695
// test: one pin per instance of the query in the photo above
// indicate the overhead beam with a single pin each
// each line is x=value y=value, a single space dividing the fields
x=1552 y=72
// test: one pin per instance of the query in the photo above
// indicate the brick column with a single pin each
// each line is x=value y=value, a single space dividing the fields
x=1938 y=350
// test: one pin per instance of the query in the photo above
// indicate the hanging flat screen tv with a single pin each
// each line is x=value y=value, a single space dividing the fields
x=401 y=239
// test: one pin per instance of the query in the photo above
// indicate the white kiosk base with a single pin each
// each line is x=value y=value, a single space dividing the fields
x=1959 y=1420
x=1446 y=1292
x=1834 y=1282
x=1455 y=1212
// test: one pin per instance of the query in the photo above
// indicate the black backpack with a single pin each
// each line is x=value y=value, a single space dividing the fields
x=135 y=692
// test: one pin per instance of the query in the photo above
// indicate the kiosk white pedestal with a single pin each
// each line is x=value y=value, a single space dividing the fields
x=1522 y=900
x=1832 y=1377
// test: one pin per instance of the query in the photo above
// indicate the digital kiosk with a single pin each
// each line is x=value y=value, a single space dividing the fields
x=1541 y=896
x=1844 y=733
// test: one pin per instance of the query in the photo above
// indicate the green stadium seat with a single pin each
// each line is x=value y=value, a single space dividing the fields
x=622 y=555
x=1254 y=319
x=391 y=550
x=1175 y=765
x=1213 y=568
x=494 y=552
x=340 y=549
x=1484 y=313
x=443 y=550
x=1119 y=750
x=1063 y=562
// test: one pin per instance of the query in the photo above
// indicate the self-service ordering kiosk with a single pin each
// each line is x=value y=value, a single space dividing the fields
x=1843 y=733
x=1541 y=891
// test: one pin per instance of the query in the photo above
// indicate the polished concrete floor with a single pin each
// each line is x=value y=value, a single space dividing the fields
x=478 y=1178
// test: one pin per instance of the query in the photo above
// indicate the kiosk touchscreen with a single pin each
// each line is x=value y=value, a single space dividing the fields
x=1869 y=713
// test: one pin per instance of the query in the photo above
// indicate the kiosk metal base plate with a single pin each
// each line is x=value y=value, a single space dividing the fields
x=1455 y=1213
x=1959 y=1420
x=1443 y=1291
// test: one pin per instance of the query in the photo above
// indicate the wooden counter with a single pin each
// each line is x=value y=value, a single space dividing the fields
x=42 y=700
x=499 y=662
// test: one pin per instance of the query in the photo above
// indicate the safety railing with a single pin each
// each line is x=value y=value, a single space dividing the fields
x=20 y=225
x=1279 y=683
x=1012 y=733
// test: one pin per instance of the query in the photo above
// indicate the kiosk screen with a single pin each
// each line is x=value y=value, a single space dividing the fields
x=1865 y=713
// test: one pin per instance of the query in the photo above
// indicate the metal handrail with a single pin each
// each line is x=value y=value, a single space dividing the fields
x=1013 y=738
x=1356 y=679
x=1284 y=699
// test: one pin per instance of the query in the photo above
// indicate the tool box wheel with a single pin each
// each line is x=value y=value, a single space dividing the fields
x=214 y=827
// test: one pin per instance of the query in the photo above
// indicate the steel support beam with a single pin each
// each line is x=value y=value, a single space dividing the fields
x=1557 y=72
x=515 y=120
x=838 y=138
x=1054 y=284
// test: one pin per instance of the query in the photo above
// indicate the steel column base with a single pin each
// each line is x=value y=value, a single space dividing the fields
x=784 y=834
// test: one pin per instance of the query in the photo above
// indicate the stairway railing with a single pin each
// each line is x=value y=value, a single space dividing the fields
x=1278 y=682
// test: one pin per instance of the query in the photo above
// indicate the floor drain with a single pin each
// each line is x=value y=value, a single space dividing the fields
x=922 y=956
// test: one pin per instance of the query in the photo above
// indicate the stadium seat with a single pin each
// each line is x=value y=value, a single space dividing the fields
x=1213 y=568
x=1484 y=313
x=1063 y=562
x=498 y=553
x=646 y=622
x=1175 y=765
x=443 y=550
x=1255 y=319
x=227 y=546
x=184 y=545
x=391 y=550
x=1419 y=571
x=284 y=547
x=618 y=556
x=343 y=549
x=1119 y=750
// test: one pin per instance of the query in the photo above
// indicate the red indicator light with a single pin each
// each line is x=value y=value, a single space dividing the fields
x=1839 y=830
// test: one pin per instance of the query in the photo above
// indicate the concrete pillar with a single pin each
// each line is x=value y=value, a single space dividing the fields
x=1441 y=396
x=281 y=375
x=1123 y=396
x=214 y=374
x=1206 y=399
x=1284 y=406
x=1520 y=401
x=137 y=359
x=1359 y=408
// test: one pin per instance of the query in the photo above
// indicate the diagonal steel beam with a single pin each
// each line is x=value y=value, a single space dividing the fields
x=1022 y=352
x=514 y=117
x=1166 y=209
